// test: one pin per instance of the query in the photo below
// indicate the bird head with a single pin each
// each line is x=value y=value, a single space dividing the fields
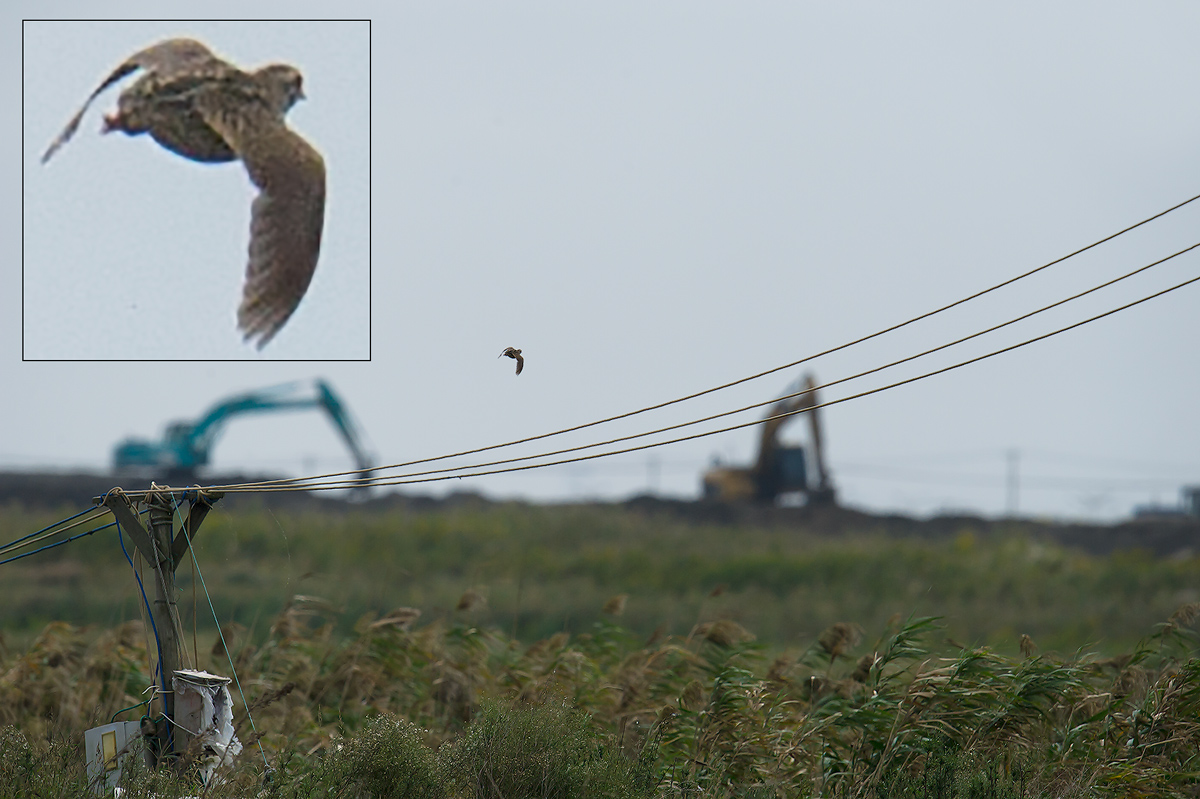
x=284 y=85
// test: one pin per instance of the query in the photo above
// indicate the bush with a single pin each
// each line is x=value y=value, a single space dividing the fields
x=946 y=772
x=387 y=759
x=547 y=751
x=49 y=768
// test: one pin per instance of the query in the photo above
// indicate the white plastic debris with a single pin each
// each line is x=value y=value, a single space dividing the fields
x=204 y=713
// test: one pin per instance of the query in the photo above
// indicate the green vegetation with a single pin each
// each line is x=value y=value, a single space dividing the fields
x=543 y=570
x=668 y=660
x=400 y=710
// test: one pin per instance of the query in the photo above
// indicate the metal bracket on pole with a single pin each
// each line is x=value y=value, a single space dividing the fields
x=200 y=506
x=201 y=502
x=122 y=509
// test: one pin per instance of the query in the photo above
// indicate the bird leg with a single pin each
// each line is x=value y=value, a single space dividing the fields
x=113 y=122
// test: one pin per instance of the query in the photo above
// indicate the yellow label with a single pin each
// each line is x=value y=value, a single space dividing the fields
x=108 y=747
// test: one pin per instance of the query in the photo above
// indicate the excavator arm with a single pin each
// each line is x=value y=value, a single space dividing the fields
x=771 y=427
x=778 y=469
x=186 y=446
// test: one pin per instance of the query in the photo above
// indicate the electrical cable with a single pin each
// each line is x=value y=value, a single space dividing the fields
x=172 y=606
x=47 y=532
x=375 y=480
x=1028 y=481
x=195 y=643
x=150 y=612
x=378 y=481
x=404 y=480
x=57 y=543
x=660 y=405
x=131 y=707
x=221 y=634
x=11 y=544
x=145 y=599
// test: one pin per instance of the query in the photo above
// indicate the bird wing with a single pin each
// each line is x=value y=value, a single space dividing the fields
x=520 y=363
x=172 y=57
x=285 y=219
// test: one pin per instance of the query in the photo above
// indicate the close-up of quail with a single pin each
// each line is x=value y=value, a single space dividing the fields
x=203 y=108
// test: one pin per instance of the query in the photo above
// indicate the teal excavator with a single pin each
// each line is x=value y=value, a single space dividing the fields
x=185 y=445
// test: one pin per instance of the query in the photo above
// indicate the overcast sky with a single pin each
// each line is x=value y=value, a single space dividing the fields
x=649 y=199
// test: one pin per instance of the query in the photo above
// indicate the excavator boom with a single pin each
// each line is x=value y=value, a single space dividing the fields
x=186 y=446
x=778 y=469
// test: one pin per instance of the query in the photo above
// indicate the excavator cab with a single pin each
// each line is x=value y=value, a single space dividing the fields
x=790 y=470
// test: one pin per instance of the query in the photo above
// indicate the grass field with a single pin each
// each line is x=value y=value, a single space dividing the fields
x=617 y=653
x=544 y=570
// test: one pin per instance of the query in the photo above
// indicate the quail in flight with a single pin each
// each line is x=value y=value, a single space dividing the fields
x=515 y=354
x=203 y=108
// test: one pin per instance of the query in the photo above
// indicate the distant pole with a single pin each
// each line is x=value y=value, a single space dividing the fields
x=1014 y=465
x=652 y=473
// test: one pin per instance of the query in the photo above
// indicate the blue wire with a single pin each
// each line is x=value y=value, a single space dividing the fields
x=142 y=588
x=57 y=543
x=64 y=541
x=44 y=529
x=153 y=626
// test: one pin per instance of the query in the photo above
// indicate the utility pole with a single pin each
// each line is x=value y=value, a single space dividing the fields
x=653 y=469
x=164 y=549
x=166 y=609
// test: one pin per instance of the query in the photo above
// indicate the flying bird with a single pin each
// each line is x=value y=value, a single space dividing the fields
x=205 y=109
x=515 y=354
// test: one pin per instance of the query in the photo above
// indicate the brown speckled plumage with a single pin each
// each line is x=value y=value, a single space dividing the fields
x=515 y=354
x=203 y=108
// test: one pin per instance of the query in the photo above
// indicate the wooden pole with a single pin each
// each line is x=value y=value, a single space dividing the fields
x=164 y=549
x=165 y=610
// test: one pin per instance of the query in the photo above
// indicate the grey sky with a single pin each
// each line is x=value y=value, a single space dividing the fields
x=650 y=199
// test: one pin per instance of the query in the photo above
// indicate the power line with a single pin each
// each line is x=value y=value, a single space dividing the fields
x=220 y=633
x=57 y=543
x=995 y=454
x=146 y=602
x=926 y=315
x=1045 y=482
x=620 y=439
x=408 y=479
x=12 y=544
x=55 y=529
x=1122 y=463
x=52 y=530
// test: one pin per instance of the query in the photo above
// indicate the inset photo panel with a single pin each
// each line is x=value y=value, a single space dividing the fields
x=196 y=191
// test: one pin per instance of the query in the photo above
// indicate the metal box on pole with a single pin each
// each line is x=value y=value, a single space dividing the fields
x=107 y=748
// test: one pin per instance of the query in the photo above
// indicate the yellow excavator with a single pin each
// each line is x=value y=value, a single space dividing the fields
x=779 y=469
